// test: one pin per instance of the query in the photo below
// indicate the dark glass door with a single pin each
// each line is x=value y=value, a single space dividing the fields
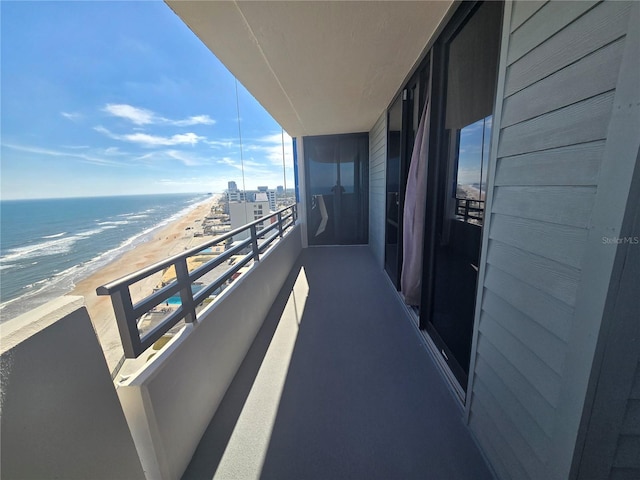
x=402 y=125
x=395 y=185
x=467 y=58
x=337 y=189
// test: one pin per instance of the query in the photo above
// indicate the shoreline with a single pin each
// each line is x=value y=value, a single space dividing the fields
x=169 y=240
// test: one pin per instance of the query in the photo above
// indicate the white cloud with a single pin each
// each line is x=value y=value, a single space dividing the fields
x=57 y=153
x=271 y=147
x=142 y=116
x=185 y=158
x=195 y=120
x=139 y=116
x=148 y=140
x=73 y=116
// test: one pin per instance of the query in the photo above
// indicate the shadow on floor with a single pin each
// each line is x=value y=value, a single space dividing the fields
x=361 y=398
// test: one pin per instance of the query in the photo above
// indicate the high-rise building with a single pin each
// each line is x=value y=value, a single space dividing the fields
x=232 y=186
x=241 y=213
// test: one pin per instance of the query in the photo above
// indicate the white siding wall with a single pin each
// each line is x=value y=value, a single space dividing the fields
x=377 y=186
x=556 y=97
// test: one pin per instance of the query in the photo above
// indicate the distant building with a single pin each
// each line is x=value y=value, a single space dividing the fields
x=235 y=195
x=280 y=190
x=241 y=213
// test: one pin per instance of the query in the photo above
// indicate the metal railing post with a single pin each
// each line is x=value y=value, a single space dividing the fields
x=280 y=224
x=186 y=294
x=254 y=243
x=123 y=309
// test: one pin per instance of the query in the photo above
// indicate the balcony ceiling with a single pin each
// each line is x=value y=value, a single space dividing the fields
x=317 y=67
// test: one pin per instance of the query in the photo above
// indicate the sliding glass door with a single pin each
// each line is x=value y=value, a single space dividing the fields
x=337 y=189
x=467 y=60
x=402 y=125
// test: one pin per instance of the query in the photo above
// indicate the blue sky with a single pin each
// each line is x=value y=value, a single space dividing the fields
x=108 y=98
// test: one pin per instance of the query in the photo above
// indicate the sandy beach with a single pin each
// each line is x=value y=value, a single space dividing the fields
x=170 y=240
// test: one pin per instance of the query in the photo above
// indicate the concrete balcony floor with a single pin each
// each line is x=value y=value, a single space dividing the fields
x=338 y=387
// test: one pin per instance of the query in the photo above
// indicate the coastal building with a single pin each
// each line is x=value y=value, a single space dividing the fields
x=241 y=213
x=476 y=160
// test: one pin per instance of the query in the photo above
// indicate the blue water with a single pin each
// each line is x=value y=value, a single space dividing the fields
x=48 y=245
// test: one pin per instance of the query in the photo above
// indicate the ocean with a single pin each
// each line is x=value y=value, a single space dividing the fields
x=48 y=245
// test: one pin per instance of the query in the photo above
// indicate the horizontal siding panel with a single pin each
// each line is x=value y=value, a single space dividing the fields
x=566 y=86
x=531 y=462
x=562 y=243
x=559 y=281
x=536 y=439
x=377 y=187
x=491 y=362
x=544 y=344
x=563 y=205
x=627 y=453
x=379 y=150
x=631 y=422
x=547 y=311
x=543 y=379
x=582 y=122
x=377 y=171
x=571 y=165
x=379 y=133
x=498 y=449
x=522 y=11
x=602 y=25
x=546 y=22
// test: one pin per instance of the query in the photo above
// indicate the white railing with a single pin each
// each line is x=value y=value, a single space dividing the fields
x=128 y=314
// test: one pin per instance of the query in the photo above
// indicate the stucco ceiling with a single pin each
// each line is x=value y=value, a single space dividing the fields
x=317 y=67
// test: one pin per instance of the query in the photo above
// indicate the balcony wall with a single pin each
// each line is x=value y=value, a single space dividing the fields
x=61 y=417
x=170 y=401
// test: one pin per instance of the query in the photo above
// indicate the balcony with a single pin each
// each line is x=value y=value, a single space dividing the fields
x=337 y=384
x=307 y=366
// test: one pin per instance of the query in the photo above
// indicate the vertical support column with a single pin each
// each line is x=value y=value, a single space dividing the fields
x=280 y=223
x=254 y=243
x=127 y=325
x=186 y=295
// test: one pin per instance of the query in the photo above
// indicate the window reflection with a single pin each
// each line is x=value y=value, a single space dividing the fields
x=471 y=175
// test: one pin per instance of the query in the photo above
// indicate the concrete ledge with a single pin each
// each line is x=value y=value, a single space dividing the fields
x=171 y=400
x=60 y=415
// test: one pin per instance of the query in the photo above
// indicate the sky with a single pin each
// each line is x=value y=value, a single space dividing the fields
x=118 y=98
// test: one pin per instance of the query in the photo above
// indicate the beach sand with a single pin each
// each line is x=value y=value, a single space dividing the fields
x=169 y=241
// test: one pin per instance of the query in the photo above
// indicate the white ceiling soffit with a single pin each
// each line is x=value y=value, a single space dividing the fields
x=317 y=67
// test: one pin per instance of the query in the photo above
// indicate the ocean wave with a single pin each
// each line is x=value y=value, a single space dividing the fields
x=115 y=222
x=63 y=282
x=57 y=235
x=55 y=246
x=91 y=233
x=50 y=247
x=143 y=214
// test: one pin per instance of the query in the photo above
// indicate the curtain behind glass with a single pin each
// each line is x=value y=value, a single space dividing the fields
x=414 y=212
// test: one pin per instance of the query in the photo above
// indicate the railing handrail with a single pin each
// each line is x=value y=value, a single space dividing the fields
x=127 y=313
x=138 y=275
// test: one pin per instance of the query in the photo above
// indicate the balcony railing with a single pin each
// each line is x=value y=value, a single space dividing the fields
x=128 y=314
x=470 y=210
